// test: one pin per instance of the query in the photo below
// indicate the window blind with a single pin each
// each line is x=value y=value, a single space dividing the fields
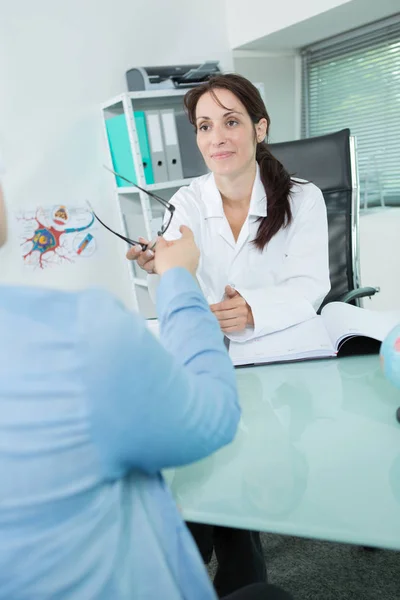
x=353 y=80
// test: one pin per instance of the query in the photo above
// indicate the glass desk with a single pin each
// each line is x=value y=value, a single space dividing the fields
x=317 y=454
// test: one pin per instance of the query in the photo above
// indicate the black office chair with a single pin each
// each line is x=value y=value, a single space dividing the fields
x=330 y=162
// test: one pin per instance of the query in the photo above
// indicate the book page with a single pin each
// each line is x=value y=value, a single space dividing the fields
x=306 y=340
x=345 y=320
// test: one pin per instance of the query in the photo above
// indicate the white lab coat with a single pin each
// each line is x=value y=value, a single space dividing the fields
x=286 y=282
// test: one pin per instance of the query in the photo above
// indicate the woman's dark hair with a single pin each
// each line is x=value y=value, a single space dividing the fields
x=276 y=180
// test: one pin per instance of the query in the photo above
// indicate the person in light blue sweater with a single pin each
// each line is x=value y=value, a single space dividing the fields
x=92 y=407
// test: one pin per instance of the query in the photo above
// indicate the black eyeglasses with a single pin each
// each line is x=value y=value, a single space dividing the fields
x=170 y=207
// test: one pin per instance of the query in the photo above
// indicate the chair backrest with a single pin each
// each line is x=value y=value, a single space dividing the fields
x=329 y=161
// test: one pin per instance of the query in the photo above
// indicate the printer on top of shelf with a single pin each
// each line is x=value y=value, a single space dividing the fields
x=171 y=77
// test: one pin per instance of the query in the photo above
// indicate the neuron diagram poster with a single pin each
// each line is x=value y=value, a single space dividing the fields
x=57 y=235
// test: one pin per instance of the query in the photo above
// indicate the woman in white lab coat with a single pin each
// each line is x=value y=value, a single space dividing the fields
x=263 y=239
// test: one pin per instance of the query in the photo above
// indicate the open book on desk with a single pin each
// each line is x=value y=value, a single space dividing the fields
x=321 y=337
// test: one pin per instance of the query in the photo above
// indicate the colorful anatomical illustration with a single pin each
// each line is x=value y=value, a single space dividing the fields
x=55 y=236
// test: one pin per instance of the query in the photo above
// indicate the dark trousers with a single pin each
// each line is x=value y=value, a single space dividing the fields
x=259 y=591
x=239 y=555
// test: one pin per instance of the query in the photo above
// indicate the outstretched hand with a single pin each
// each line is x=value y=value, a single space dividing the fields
x=179 y=253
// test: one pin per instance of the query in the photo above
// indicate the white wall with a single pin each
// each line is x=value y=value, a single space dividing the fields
x=267 y=26
x=253 y=19
x=380 y=258
x=58 y=62
x=281 y=76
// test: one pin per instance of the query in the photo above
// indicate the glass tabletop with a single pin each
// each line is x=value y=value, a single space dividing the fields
x=317 y=454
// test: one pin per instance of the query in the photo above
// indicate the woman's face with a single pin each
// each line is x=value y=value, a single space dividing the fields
x=226 y=137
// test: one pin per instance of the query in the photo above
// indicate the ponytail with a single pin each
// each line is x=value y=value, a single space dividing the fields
x=277 y=184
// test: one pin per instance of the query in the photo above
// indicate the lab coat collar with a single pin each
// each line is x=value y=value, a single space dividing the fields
x=258 y=202
x=213 y=202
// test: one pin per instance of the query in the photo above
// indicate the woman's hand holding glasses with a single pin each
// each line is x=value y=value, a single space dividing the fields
x=144 y=258
x=168 y=255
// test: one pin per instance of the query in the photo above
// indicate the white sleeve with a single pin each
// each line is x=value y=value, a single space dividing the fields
x=304 y=279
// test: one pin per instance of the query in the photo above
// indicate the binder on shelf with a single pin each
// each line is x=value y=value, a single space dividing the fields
x=121 y=151
x=158 y=159
x=193 y=164
x=171 y=145
x=141 y=128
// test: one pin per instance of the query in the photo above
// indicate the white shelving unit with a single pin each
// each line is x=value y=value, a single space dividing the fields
x=126 y=104
x=153 y=187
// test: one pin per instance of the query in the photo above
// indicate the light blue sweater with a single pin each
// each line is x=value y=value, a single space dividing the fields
x=92 y=407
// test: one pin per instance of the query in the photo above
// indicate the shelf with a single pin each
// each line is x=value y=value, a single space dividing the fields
x=142 y=95
x=165 y=185
x=141 y=282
